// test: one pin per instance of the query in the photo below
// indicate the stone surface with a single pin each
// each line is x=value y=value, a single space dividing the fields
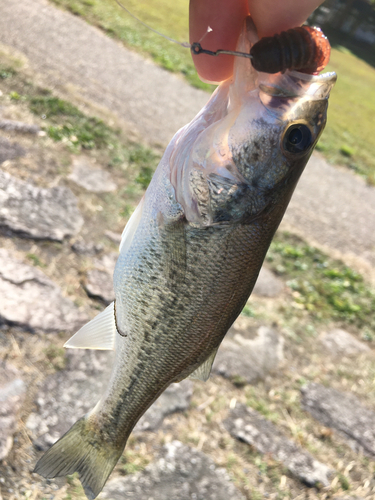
x=268 y=284
x=86 y=248
x=115 y=237
x=348 y=498
x=247 y=425
x=12 y=393
x=175 y=398
x=15 y=126
x=31 y=300
x=342 y=412
x=99 y=285
x=68 y=394
x=90 y=177
x=179 y=473
x=34 y=212
x=9 y=150
x=99 y=280
x=339 y=342
x=250 y=360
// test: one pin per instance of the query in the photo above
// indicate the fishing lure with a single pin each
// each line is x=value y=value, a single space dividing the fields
x=305 y=49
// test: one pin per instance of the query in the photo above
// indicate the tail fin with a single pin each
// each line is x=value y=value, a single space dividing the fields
x=81 y=450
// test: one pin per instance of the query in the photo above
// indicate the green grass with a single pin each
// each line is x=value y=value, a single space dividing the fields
x=248 y=311
x=147 y=160
x=324 y=287
x=35 y=260
x=68 y=123
x=257 y=403
x=6 y=72
x=132 y=460
x=349 y=135
x=56 y=357
x=65 y=122
x=344 y=482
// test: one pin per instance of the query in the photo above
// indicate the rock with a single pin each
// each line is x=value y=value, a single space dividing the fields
x=85 y=248
x=268 y=285
x=179 y=473
x=91 y=178
x=348 y=498
x=12 y=394
x=339 y=342
x=14 y=126
x=99 y=285
x=174 y=399
x=247 y=425
x=68 y=394
x=10 y=150
x=31 y=300
x=249 y=360
x=115 y=237
x=99 y=280
x=33 y=212
x=342 y=412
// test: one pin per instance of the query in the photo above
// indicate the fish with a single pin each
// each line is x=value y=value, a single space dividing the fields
x=192 y=251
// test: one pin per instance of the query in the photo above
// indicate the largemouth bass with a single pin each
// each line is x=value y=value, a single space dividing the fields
x=191 y=252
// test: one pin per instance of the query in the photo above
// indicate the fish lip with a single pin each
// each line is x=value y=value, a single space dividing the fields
x=320 y=86
x=328 y=77
x=293 y=84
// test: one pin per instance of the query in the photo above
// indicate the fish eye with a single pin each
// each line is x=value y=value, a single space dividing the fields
x=297 y=138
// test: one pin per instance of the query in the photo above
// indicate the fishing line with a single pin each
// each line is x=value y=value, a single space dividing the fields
x=196 y=47
x=183 y=44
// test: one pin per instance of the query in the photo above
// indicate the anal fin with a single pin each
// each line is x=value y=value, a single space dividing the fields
x=99 y=333
x=203 y=371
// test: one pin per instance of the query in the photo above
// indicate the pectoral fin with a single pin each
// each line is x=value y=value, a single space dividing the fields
x=131 y=227
x=99 y=333
x=203 y=371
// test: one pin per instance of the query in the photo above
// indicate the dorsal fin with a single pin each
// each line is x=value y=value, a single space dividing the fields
x=203 y=371
x=99 y=333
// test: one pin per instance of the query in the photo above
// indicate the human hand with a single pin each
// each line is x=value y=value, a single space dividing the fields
x=226 y=18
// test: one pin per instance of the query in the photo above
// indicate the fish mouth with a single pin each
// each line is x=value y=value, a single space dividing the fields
x=296 y=84
x=329 y=76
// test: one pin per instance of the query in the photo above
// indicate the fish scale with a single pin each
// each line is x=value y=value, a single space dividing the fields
x=192 y=251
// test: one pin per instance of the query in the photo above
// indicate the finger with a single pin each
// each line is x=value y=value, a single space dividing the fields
x=273 y=16
x=226 y=18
